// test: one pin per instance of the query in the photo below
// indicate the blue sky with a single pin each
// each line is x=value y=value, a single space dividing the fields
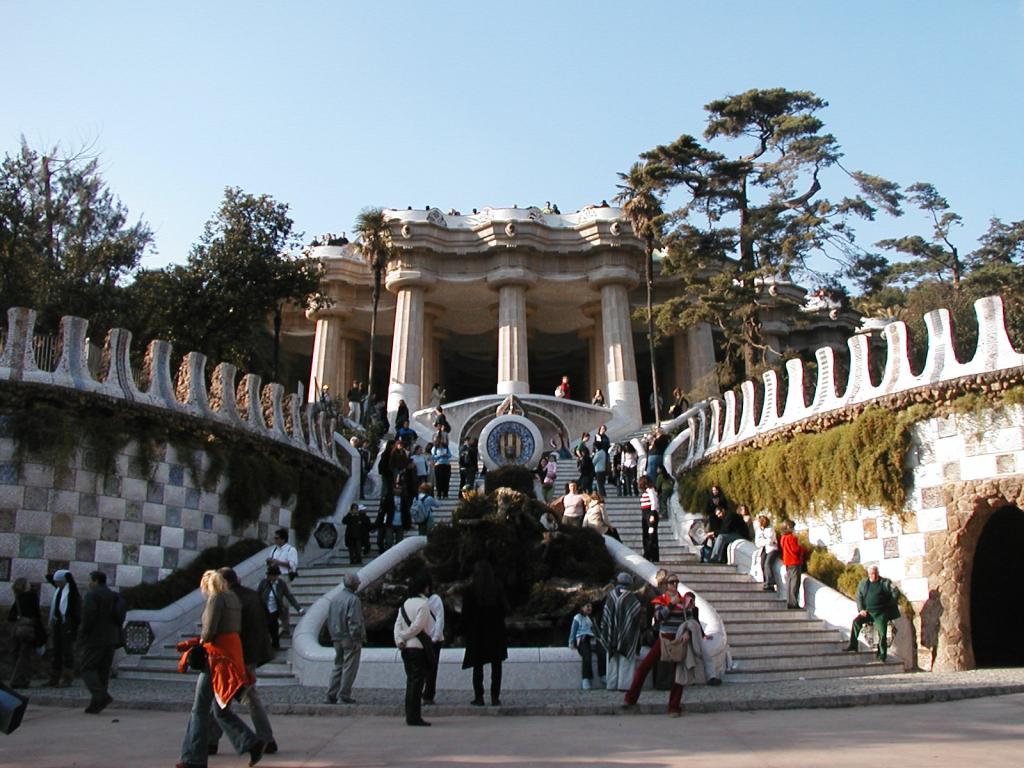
x=333 y=106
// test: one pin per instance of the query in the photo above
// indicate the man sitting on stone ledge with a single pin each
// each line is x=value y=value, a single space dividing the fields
x=878 y=604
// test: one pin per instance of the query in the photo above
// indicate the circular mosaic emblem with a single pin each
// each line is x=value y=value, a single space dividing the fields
x=510 y=440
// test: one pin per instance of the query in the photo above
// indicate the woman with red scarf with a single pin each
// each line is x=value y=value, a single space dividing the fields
x=222 y=677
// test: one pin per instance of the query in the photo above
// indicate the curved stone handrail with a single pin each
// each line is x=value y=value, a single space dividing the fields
x=263 y=411
x=309 y=659
x=712 y=425
x=306 y=652
x=718 y=641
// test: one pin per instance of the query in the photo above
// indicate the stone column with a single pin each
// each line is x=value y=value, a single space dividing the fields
x=513 y=365
x=431 y=349
x=595 y=342
x=333 y=354
x=407 y=346
x=623 y=394
x=702 y=374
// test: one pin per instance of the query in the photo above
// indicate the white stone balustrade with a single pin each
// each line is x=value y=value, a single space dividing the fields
x=251 y=408
x=711 y=425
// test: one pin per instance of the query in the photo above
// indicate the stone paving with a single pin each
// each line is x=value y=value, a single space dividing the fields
x=910 y=688
x=977 y=733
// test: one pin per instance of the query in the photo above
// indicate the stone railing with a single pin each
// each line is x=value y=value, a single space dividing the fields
x=712 y=425
x=250 y=408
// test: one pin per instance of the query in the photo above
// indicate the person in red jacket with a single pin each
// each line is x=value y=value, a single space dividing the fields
x=793 y=558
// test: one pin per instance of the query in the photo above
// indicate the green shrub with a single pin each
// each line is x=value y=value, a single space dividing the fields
x=512 y=476
x=183 y=580
x=826 y=567
x=850 y=579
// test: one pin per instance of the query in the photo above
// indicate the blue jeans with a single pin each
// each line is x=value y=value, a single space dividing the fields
x=654 y=460
x=194 y=747
x=722 y=542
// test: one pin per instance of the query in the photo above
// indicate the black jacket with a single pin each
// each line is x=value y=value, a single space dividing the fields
x=255 y=634
x=102 y=617
x=733 y=523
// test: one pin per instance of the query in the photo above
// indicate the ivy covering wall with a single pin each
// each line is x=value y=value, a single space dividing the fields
x=51 y=430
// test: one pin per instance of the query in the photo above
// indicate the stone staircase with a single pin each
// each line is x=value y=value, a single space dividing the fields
x=768 y=642
x=161 y=662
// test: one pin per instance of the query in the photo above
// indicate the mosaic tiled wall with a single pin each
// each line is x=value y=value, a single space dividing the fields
x=135 y=528
x=946 y=454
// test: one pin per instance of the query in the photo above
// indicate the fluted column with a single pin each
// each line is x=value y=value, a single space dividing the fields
x=407 y=346
x=431 y=373
x=595 y=343
x=513 y=366
x=333 y=354
x=623 y=394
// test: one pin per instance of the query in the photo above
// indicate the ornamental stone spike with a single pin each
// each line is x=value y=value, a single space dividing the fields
x=187 y=392
x=160 y=391
x=941 y=362
x=72 y=369
x=116 y=366
x=796 y=405
x=222 y=394
x=747 y=426
x=248 y=396
x=770 y=405
x=994 y=352
x=729 y=429
x=18 y=357
x=191 y=389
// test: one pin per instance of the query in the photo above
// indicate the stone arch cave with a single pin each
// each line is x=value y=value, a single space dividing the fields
x=997 y=606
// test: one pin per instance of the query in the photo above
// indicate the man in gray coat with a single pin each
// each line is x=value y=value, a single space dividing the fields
x=348 y=633
x=98 y=637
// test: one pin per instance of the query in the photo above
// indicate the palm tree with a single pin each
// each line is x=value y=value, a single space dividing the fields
x=642 y=206
x=374 y=237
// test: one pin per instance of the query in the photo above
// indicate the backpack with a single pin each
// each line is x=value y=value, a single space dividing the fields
x=418 y=511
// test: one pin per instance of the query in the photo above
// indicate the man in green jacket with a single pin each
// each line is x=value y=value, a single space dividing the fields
x=878 y=604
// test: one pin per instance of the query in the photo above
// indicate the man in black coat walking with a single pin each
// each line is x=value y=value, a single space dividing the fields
x=98 y=637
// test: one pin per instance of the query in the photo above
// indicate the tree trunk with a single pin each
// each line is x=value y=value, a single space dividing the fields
x=649 y=274
x=277 y=340
x=373 y=339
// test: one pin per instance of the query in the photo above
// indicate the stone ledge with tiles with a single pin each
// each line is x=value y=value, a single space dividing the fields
x=137 y=528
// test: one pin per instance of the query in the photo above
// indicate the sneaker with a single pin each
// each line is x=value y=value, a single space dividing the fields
x=330 y=700
x=347 y=699
x=585 y=684
x=256 y=753
x=715 y=681
x=477 y=702
x=271 y=748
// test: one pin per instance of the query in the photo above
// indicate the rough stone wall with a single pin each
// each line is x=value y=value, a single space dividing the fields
x=135 y=528
x=962 y=468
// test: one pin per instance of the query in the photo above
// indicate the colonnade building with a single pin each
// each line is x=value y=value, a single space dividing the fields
x=502 y=301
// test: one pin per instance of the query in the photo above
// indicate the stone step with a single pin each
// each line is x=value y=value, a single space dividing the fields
x=170 y=659
x=789 y=646
x=729 y=605
x=762 y=637
x=738 y=615
x=173 y=676
x=742 y=675
x=801 y=661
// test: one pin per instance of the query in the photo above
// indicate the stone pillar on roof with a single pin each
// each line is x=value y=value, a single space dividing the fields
x=409 y=287
x=334 y=351
x=623 y=394
x=513 y=366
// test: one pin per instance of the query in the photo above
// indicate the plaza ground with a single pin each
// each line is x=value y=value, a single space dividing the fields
x=987 y=731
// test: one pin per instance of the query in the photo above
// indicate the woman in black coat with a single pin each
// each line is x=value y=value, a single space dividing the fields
x=483 y=617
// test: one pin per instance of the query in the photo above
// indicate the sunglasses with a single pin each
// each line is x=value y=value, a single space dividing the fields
x=672 y=581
